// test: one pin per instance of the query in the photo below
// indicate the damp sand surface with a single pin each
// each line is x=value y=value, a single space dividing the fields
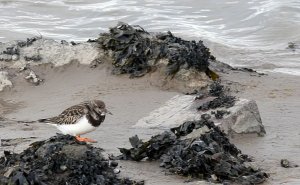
x=129 y=100
x=277 y=96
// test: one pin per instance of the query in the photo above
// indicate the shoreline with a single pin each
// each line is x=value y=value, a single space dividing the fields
x=70 y=77
x=276 y=96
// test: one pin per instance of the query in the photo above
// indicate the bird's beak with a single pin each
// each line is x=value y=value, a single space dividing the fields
x=108 y=112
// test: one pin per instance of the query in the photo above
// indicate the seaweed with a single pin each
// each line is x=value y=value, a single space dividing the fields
x=28 y=42
x=59 y=160
x=223 y=99
x=91 y=40
x=216 y=89
x=34 y=58
x=208 y=156
x=73 y=43
x=220 y=113
x=226 y=101
x=136 y=52
x=12 y=51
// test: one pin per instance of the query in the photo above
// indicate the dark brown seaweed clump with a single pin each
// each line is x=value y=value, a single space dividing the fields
x=223 y=99
x=220 y=113
x=12 y=51
x=209 y=156
x=217 y=89
x=28 y=42
x=226 y=101
x=34 y=58
x=136 y=52
x=59 y=160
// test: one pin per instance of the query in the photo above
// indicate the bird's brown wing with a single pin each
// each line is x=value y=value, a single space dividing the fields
x=70 y=115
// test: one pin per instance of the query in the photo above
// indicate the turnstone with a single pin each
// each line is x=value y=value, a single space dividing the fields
x=80 y=119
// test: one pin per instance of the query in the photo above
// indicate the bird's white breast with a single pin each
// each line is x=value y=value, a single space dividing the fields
x=82 y=126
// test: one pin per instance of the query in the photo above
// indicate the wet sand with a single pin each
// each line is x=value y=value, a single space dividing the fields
x=277 y=96
x=129 y=100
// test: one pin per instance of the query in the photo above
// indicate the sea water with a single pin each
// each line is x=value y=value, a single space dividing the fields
x=243 y=33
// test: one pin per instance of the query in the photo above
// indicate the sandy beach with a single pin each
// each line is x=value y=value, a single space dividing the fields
x=132 y=99
x=156 y=65
x=278 y=102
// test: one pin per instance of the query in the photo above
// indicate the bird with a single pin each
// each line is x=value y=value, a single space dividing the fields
x=80 y=119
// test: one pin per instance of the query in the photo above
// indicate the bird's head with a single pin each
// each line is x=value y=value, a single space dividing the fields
x=99 y=107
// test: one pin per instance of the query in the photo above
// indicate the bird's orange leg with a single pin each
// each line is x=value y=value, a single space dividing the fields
x=84 y=139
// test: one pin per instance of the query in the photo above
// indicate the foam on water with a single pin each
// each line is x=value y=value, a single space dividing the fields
x=244 y=33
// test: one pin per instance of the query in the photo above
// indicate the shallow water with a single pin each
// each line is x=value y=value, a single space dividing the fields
x=252 y=33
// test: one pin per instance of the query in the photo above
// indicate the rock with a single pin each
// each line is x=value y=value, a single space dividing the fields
x=190 y=79
x=5 y=57
x=173 y=113
x=95 y=63
x=287 y=164
x=4 y=81
x=214 y=177
x=9 y=53
x=243 y=117
x=15 y=57
x=33 y=78
x=41 y=51
x=23 y=67
x=117 y=171
x=113 y=164
x=63 y=167
x=218 y=66
x=293 y=46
